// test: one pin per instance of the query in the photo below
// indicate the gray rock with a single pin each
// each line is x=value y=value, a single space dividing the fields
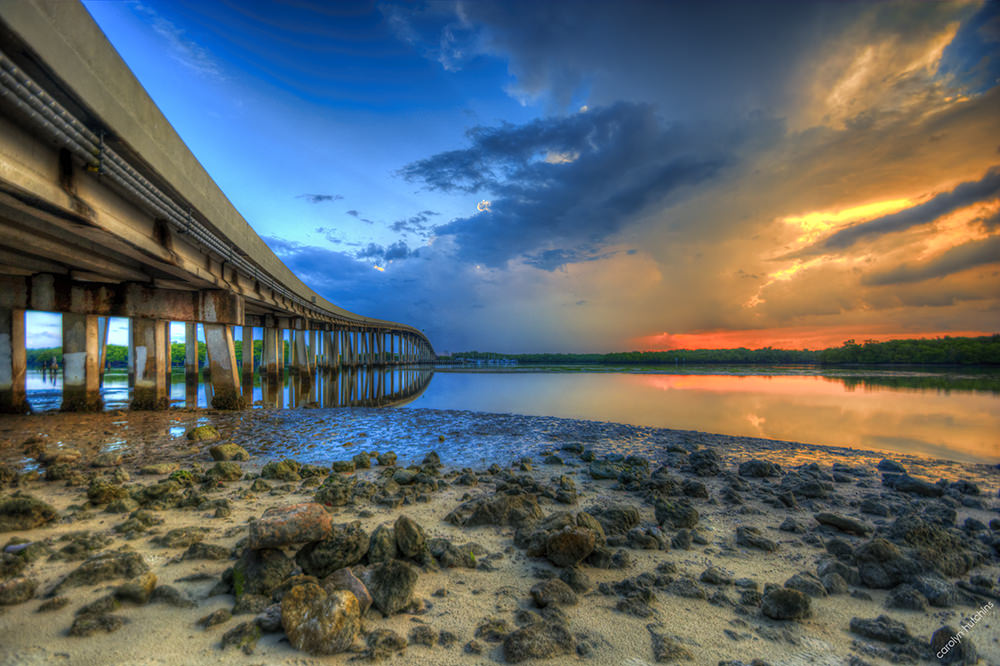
x=843 y=523
x=906 y=597
x=569 y=546
x=675 y=515
x=882 y=628
x=715 y=576
x=539 y=640
x=887 y=465
x=752 y=538
x=391 y=585
x=344 y=579
x=782 y=603
x=553 y=592
x=410 y=538
x=948 y=650
x=807 y=583
x=759 y=469
x=382 y=546
x=346 y=544
x=320 y=622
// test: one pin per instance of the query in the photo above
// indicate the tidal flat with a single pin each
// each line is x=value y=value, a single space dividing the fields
x=447 y=537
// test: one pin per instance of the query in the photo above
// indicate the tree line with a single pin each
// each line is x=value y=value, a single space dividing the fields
x=983 y=350
x=117 y=355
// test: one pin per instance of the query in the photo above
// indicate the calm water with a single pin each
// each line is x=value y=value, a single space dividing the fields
x=947 y=415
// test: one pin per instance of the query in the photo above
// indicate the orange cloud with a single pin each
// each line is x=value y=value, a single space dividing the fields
x=792 y=337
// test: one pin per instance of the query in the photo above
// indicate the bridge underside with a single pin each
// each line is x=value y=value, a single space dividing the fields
x=90 y=229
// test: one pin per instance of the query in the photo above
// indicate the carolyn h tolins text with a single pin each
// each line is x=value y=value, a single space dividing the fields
x=966 y=628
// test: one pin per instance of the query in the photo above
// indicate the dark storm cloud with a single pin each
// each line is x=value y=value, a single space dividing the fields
x=320 y=198
x=955 y=260
x=353 y=213
x=941 y=204
x=561 y=186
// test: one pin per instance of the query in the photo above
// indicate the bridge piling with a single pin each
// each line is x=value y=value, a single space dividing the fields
x=13 y=362
x=148 y=344
x=190 y=363
x=103 y=323
x=222 y=367
x=247 y=360
x=269 y=355
x=81 y=381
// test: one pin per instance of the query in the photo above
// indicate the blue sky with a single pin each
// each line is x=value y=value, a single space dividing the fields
x=658 y=174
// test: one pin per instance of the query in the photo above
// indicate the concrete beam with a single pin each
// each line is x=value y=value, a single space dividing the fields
x=13 y=362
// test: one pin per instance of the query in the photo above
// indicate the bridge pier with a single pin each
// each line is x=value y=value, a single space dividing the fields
x=148 y=344
x=222 y=367
x=247 y=360
x=81 y=380
x=190 y=364
x=13 y=362
x=269 y=354
x=103 y=323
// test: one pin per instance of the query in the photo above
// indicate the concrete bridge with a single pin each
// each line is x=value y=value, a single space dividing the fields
x=105 y=212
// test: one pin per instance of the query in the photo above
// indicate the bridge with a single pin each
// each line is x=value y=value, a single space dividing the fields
x=104 y=212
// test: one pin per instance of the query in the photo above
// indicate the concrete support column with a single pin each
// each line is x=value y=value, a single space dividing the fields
x=102 y=347
x=222 y=367
x=190 y=364
x=168 y=360
x=81 y=352
x=313 y=351
x=248 y=355
x=13 y=362
x=301 y=354
x=130 y=354
x=148 y=344
x=269 y=355
x=281 y=355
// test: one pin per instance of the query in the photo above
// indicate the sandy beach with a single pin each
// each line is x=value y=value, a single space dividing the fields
x=126 y=534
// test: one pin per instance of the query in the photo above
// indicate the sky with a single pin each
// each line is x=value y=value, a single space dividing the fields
x=600 y=176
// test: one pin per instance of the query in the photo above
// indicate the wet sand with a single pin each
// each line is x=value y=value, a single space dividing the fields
x=706 y=622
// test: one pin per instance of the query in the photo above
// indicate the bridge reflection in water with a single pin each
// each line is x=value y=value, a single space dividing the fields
x=365 y=386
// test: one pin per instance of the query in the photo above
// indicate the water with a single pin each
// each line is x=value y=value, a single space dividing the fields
x=951 y=415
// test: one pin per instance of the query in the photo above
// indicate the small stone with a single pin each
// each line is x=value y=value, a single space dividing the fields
x=137 y=590
x=282 y=526
x=759 y=469
x=882 y=628
x=319 y=622
x=181 y=537
x=89 y=624
x=107 y=459
x=17 y=591
x=203 y=434
x=473 y=647
x=553 y=592
x=269 y=619
x=843 y=523
x=382 y=545
x=887 y=465
x=229 y=451
x=215 y=617
x=410 y=539
x=676 y=514
x=342 y=466
x=492 y=629
x=569 y=546
x=807 y=583
x=391 y=586
x=282 y=470
x=53 y=604
x=225 y=470
x=539 y=640
x=785 y=604
x=906 y=597
x=243 y=636
x=159 y=468
x=752 y=538
x=667 y=650
x=383 y=643
x=205 y=551
x=170 y=595
x=386 y=459
x=715 y=576
x=105 y=566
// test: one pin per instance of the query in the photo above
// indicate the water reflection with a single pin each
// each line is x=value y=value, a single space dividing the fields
x=350 y=387
x=861 y=414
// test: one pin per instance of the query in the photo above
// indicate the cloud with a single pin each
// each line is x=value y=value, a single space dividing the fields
x=955 y=260
x=553 y=213
x=353 y=213
x=319 y=198
x=182 y=49
x=418 y=224
x=965 y=194
x=972 y=59
x=394 y=252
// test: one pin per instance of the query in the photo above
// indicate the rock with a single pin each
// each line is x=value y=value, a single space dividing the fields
x=835 y=583
x=138 y=590
x=791 y=525
x=410 y=539
x=243 y=636
x=704 y=462
x=950 y=648
x=283 y=470
x=391 y=586
x=502 y=510
x=346 y=544
x=667 y=650
x=539 y=640
x=282 y=526
x=569 y=546
x=205 y=551
x=320 y=622
x=216 y=617
x=159 y=468
x=886 y=465
x=752 y=538
x=167 y=594
x=473 y=647
x=404 y=477
x=715 y=576
x=89 y=624
x=492 y=629
x=423 y=635
x=603 y=469
x=225 y=470
x=386 y=459
x=260 y=571
x=577 y=579
x=269 y=619
x=807 y=583
x=107 y=459
x=882 y=628
x=105 y=566
x=873 y=507
x=843 y=523
x=432 y=458
x=382 y=545
x=251 y=604
x=759 y=469
x=344 y=579
x=203 y=434
x=785 y=604
x=614 y=519
x=383 y=643
x=676 y=514
x=938 y=591
x=229 y=451
x=17 y=591
x=553 y=592
x=181 y=537
x=342 y=466
x=102 y=491
x=687 y=588
x=906 y=597
x=905 y=483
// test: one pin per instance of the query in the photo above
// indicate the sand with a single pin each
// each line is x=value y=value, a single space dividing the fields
x=157 y=633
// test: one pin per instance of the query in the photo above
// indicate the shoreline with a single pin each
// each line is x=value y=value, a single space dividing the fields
x=702 y=513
